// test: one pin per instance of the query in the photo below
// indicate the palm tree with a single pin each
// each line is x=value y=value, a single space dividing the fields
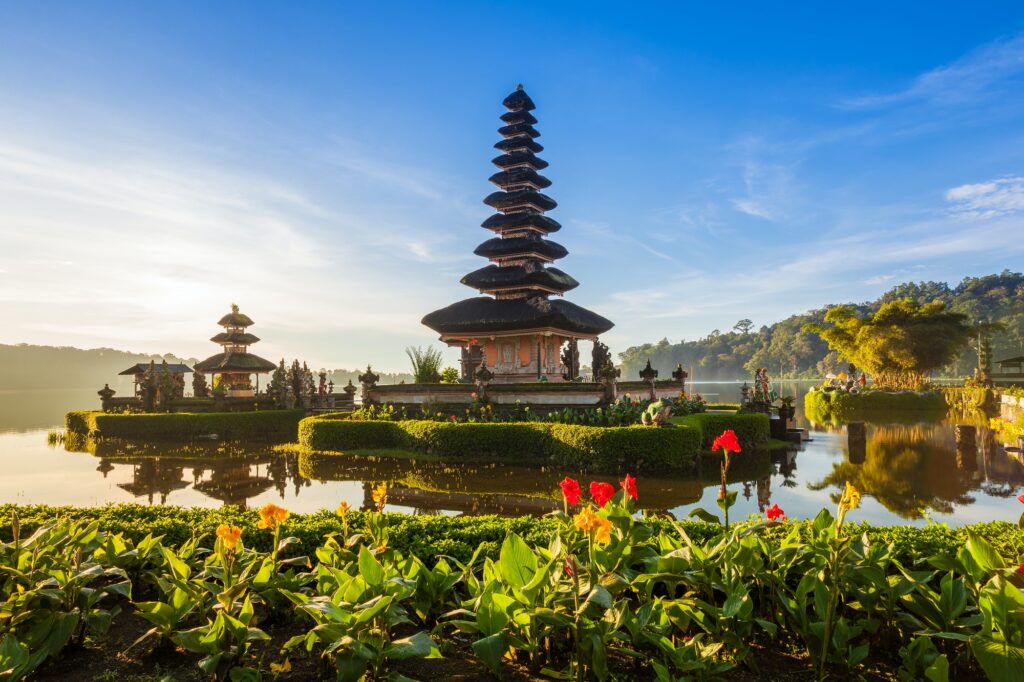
x=426 y=364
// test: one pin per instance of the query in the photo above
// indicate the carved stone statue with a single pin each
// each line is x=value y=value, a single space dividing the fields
x=482 y=377
x=571 y=360
x=657 y=413
x=608 y=376
x=368 y=380
x=600 y=357
x=649 y=375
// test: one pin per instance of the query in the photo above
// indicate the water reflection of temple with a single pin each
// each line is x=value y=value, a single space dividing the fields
x=151 y=477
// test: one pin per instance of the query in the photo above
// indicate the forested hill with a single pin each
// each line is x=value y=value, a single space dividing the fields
x=787 y=351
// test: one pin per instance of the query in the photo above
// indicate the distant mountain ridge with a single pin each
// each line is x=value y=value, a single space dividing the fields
x=26 y=366
x=787 y=351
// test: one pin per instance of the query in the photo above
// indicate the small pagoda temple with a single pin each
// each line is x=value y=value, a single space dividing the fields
x=516 y=328
x=236 y=364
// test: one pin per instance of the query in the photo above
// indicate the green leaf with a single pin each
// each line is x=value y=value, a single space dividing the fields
x=490 y=650
x=1000 y=661
x=704 y=515
x=416 y=646
x=370 y=569
x=983 y=553
x=938 y=671
x=517 y=562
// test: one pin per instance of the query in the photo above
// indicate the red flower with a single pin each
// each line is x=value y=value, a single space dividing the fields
x=629 y=486
x=571 y=491
x=774 y=512
x=727 y=441
x=1020 y=498
x=567 y=566
x=453 y=418
x=1020 y=570
x=601 y=492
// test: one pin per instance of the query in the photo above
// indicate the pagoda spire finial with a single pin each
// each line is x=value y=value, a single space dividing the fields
x=519 y=88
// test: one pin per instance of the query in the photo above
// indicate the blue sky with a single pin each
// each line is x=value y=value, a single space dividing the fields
x=323 y=165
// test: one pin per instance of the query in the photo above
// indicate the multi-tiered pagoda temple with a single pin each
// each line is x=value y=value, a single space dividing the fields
x=516 y=328
x=236 y=364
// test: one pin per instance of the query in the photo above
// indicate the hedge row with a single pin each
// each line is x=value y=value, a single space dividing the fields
x=751 y=428
x=825 y=407
x=268 y=425
x=591 y=448
x=429 y=537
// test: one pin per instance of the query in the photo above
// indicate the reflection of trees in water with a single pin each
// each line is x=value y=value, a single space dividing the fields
x=913 y=468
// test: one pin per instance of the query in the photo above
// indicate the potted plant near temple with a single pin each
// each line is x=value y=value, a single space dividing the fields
x=786 y=409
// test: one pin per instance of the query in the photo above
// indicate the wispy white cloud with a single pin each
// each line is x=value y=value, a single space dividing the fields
x=983 y=200
x=963 y=81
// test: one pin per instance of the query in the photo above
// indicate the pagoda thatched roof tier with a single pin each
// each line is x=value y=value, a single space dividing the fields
x=511 y=144
x=518 y=129
x=235 y=362
x=519 y=176
x=141 y=367
x=510 y=247
x=484 y=315
x=519 y=159
x=520 y=198
x=238 y=338
x=235 y=319
x=513 y=117
x=519 y=101
x=507 y=222
x=492 y=278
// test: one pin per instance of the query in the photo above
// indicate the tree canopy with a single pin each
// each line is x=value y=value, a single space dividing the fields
x=900 y=343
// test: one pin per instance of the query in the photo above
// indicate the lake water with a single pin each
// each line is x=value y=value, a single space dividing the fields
x=907 y=473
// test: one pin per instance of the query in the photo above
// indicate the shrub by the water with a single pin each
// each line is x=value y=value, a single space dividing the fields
x=827 y=407
x=267 y=425
x=592 y=448
x=752 y=429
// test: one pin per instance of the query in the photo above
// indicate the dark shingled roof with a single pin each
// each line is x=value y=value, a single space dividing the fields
x=492 y=277
x=509 y=221
x=518 y=129
x=235 y=362
x=519 y=142
x=500 y=200
x=518 y=158
x=513 y=117
x=485 y=315
x=235 y=320
x=243 y=338
x=513 y=246
x=518 y=176
x=519 y=101
x=143 y=366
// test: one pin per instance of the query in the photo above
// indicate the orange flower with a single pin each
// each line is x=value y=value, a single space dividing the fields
x=598 y=527
x=342 y=509
x=229 y=535
x=272 y=516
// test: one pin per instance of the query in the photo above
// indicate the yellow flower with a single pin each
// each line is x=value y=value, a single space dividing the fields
x=342 y=509
x=851 y=498
x=598 y=527
x=272 y=516
x=229 y=535
x=380 y=495
x=278 y=668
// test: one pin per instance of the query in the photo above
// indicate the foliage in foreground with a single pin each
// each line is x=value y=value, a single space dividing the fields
x=599 y=592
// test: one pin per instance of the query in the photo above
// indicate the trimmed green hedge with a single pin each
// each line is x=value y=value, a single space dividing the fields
x=594 y=448
x=429 y=537
x=268 y=425
x=752 y=429
x=828 y=407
